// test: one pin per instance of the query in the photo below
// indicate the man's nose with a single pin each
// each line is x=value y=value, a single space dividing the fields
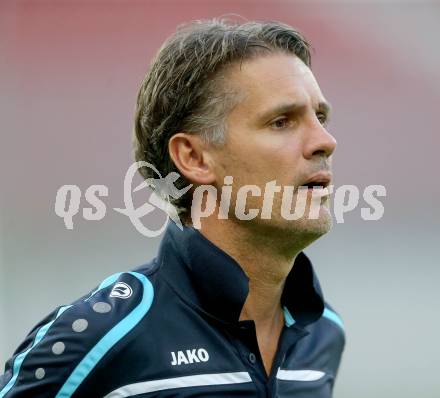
x=318 y=141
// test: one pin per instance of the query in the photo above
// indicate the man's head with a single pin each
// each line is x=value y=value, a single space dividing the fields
x=235 y=100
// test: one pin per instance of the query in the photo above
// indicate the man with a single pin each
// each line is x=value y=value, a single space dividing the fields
x=231 y=308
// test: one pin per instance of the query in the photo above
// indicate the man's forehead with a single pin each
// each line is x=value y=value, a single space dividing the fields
x=279 y=76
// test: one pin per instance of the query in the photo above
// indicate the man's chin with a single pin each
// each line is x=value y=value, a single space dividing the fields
x=311 y=225
x=308 y=229
x=319 y=226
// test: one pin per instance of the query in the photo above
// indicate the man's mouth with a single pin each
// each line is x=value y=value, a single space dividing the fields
x=317 y=183
x=318 y=180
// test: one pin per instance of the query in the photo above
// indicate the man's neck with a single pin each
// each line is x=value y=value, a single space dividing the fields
x=267 y=267
x=262 y=255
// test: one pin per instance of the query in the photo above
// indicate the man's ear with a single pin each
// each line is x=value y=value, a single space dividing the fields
x=189 y=154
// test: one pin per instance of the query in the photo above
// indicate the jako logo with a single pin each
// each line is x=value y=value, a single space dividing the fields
x=121 y=290
x=191 y=356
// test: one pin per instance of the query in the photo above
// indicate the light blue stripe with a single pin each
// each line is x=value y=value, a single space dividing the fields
x=18 y=361
x=288 y=318
x=105 y=283
x=334 y=317
x=328 y=313
x=87 y=364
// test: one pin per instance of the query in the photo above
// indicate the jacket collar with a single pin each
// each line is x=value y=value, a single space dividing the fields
x=211 y=279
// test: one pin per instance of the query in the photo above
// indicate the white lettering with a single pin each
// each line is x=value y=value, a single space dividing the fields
x=173 y=356
x=198 y=198
x=192 y=356
x=181 y=358
x=377 y=205
x=240 y=205
x=73 y=205
x=352 y=201
x=269 y=193
x=91 y=195
x=300 y=205
x=225 y=200
x=203 y=354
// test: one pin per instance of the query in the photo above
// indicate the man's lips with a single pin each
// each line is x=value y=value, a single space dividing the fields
x=320 y=179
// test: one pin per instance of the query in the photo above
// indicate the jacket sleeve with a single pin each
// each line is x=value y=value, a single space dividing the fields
x=58 y=357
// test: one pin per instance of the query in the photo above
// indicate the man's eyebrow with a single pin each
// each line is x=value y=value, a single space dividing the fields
x=293 y=107
x=325 y=107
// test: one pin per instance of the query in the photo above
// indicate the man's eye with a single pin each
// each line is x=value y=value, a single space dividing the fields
x=322 y=118
x=280 y=123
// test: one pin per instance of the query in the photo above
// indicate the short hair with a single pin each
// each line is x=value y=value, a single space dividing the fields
x=185 y=89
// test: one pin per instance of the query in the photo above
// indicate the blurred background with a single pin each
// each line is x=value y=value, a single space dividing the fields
x=69 y=75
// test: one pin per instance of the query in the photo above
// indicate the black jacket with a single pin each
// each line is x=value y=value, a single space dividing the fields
x=170 y=329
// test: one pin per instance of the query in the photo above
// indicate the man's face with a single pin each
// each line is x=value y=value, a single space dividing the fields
x=277 y=132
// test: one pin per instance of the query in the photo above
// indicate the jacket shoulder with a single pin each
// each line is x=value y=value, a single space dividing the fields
x=327 y=336
x=61 y=352
x=332 y=317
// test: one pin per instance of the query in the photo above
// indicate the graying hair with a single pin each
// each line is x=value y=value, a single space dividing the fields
x=186 y=88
